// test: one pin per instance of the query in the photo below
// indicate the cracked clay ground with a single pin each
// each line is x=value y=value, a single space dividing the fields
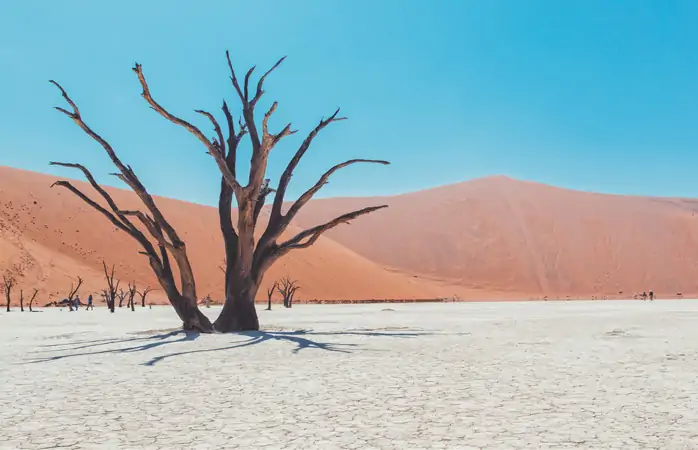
x=597 y=375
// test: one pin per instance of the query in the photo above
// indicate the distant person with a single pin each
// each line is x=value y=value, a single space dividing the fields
x=644 y=296
x=77 y=302
x=651 y=295
x=89 y=303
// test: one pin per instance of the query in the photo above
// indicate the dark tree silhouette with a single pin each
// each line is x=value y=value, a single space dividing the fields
x=7 y=283
x=143 y=294
x=247 y=260
x=110 y=293
x=270 y=292
x=73 y=292
x=122 y=294
x=287 y=288
x=131 y=296
x=21 y=300
x=31 y=300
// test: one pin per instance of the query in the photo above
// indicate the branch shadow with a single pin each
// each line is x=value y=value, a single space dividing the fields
x=156 y=341
x=301 y=340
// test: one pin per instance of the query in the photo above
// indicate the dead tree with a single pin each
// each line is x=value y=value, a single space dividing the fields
x=287 y=288
x=105 y=297
x=270 y=292
x=8 y=282
x=31 y=300
x=131 y=295
x=109 y=294
x=247 y=260
x=72 y=292
x=143 y=295
x=21 y=300
x=122 y=296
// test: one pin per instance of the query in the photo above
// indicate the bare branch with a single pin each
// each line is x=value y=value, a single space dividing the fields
x=77 y=118
x=260 y=83
x=138 y=69
x=74 y=291
x=247 y=82
x=217 y=128
x=312 y=234
x=127 y=174
x=93 y=204
x=233 y=139
x=98 y=188
x=263 y=193
x=288 y=173
x=213 y=150
x=307 y=195
x=152 y=228
x=76 y=111
x=234 y=79
x=270 y=140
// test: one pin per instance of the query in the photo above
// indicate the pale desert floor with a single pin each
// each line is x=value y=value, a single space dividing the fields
x=595 y=375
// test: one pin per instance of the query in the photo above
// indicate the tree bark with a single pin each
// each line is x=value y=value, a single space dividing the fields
x=239 y=312
x=31 y=301
x=8 y=282
x=270 y=292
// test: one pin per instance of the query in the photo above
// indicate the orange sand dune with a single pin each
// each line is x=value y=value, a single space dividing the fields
x=50 y=237
x=492 y=238
x=508 y=235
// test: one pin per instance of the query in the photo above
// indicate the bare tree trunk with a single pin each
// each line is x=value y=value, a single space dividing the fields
x=143 y=295
x=270 y=292
x=72 y=293
x=21 y=300
x=8 y=282
x=131 y=296
x=31 y=301
x=240 y=314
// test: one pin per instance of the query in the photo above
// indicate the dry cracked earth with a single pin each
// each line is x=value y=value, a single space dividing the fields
x=597 y=375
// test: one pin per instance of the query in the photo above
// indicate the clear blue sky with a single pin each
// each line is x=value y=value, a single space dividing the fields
x=587 y=94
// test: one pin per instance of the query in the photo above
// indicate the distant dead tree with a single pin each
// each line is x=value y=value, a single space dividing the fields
x=143 y=294
x=287 y=288
x=131 y=296
x=247 y=259
x=21 y=300
x=122 y=294
x=270 y=292
x=7 y=283
x=110 y=293
x=72 y=292
x=31 y=300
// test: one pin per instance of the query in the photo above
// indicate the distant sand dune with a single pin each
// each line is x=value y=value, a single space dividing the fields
x=491 y=238
x=501 y=234
x=54 y=237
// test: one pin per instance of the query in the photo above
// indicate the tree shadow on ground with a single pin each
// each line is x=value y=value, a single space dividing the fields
x=301 y=339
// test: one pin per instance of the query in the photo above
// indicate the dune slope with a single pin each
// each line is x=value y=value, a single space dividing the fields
x=504 y=234
x=50 y=237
